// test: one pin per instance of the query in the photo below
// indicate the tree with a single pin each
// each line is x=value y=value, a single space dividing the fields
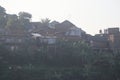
x=25 y=15
x=45 y=22
x=14 y=25
x=2 y=11
x=11 y=21
x=2 y=17
x=24 y=19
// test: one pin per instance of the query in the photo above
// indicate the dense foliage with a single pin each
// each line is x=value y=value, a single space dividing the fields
x=65 y=60
x=13 y=21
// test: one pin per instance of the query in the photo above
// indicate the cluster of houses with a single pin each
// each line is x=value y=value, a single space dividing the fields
x=54 y=31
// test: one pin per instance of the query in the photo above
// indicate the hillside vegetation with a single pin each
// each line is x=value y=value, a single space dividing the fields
x=63 y=61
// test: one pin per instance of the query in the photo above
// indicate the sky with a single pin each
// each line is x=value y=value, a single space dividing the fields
x=89 y=15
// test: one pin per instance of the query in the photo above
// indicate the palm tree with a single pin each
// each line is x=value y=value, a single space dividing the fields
x=45 y=22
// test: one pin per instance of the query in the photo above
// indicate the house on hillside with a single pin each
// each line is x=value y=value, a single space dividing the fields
x=74 y=32
x=99 y=42
x=53 y=24
x=68 y=31
x=110 y=39
x=63 y=31
x=55 y=31
x=114 y=38
x=44 y=39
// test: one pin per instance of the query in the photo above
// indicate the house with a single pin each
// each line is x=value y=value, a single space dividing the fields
x=110 y=39
x=63 y=31
x=68 y=30
x=113 y=30
x=53 y=24
x=74 y=32
x=114 y=41
x=44 y=39
x=99 y=42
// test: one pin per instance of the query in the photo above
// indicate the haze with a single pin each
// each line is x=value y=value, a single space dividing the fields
x=90 y=15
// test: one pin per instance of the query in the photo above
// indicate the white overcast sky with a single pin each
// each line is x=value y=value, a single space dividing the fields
x=90 y=15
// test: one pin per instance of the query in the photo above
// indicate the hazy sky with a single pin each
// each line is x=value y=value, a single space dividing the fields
x=90 y=15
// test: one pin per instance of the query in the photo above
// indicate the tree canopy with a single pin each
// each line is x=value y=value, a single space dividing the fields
x=45 y=22
x=2 y=10
x=24 y=15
